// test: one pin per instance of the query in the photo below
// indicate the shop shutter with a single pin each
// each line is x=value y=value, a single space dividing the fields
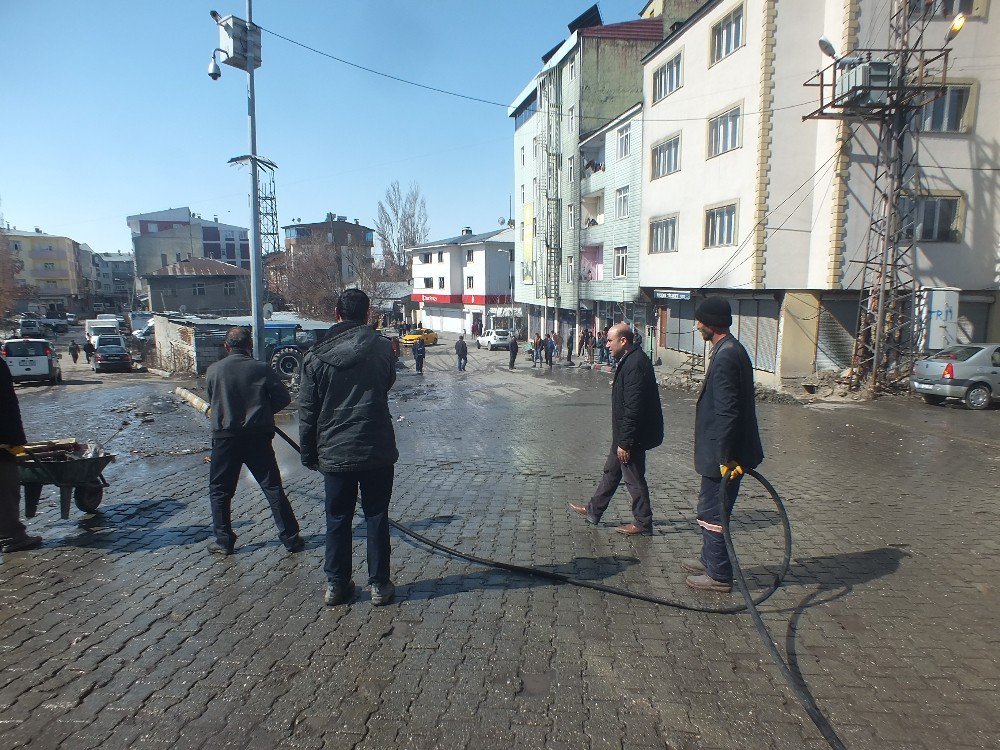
x=835 y=345
x=767 y=335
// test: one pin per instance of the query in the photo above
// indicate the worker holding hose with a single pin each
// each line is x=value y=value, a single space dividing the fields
x=726 y=440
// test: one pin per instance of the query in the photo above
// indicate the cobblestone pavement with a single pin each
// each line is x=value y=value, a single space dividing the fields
x=122 y=631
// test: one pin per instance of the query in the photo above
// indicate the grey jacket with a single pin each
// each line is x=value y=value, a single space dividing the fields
x=244 y=394
x=344 y=419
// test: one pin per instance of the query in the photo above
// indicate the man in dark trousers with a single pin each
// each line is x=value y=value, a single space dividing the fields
x=462 y=351
x=245 y=394
x=419 y=352
x=512 y=348
x=14 y=536
x=726 y=440
x=345 y=430
x=637 y=426
x=88 y=350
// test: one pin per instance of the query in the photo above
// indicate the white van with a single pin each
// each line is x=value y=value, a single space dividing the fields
x=31 y=359
x=95 y=328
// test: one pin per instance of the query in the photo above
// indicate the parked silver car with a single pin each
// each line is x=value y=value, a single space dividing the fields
x=970 y=372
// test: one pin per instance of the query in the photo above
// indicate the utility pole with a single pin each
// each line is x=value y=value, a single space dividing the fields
x=888 y=87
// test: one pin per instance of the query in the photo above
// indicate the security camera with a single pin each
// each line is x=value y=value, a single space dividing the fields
x=213 y=70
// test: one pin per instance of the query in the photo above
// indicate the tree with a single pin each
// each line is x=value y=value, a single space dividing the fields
x=10 y=266
x=401 y=223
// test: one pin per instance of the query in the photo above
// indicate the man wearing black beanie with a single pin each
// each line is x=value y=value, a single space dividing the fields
x=726 y=440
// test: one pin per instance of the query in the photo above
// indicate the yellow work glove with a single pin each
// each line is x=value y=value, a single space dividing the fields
x=731 y=470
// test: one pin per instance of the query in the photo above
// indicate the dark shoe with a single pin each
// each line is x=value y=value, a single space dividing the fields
x=382 y=593
x=630 y=529
x=338 y=594
x=297 y=544
x=582 y=510
x=217 y=549
x=25 y=542
x=693 y=566
x=705 y=582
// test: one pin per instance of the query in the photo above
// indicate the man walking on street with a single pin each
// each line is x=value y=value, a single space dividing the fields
x=637 y=426
x=726 y=440
x=419 y=352
x=88 y=350
x=512 y=348
x=245 y=395
x=550 y=348
x=462 y=350
x=74 y=351
x=14 y=536
x=345 y=430
x=557 y=340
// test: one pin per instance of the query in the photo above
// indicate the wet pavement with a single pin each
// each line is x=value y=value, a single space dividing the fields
x=122 y=630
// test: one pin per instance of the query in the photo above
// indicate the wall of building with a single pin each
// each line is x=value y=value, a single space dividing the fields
x=171 y=292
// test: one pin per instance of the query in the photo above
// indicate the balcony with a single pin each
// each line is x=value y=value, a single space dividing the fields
x=43 y=253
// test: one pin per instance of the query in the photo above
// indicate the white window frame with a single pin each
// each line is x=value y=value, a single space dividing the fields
x=440 y=282
x=571 y=164
x=725 y=132
x=570 y=269
x=570 y=215
x=572 y=68
x=624 y=140
x=668 y=78
x=621 y=202
x=522 y=156
x=663 y=234
x=666 y=154
x=571 y=119
x=728 y=35
x=920 y=231
x=522 y=192
x=721 y=225
x=470 y=282
x=942 y=109
x=229 y=288
x=620 y=270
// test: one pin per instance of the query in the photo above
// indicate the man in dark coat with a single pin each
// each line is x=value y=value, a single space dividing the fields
x=13 y=534
x=512 y=348
x=88 y=350
x=346 y=432
x=245 y=395
x=462 y=352
x=637 y=426
x=726 y=440
x=419 y=352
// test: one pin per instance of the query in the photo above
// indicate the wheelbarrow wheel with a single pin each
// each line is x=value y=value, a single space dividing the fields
x=88 y=497
x=32 y=494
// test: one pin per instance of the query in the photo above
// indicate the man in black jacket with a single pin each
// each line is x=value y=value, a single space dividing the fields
x=462 y=351
x=346 y=432
x=13 y=535
x=726 y=440
x=637 y=426
x=512 y=348
x=245 y=394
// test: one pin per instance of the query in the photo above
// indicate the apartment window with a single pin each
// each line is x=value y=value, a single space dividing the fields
x=198 y=289
x=178 y=257
x=152 y=227
x=468 y=256
x=724 y=132
x=621 y=203
x=522 y=156
x=727 y=35
x=522 y=231
x=570 y=216
x=720 y=226
x=570 y=269
x=570 y=163
x=943 y=8
x=440 y=256
x=229 y=234
x=163 y=260
x=948 y=113
x=534 y=188
x=440 y=282
x=572 y=119
x=663 y=235
x=934 y=218
x=468 y=282
x=534 y=146
x=16 y=246
x=534 y=226
x=522 y=192
x=667 y=78
x=229 y=288
x=667 y=157
x=51 y=267
x=572 y=68
x=428 y=282
x=621 y=262
x=425 y=257
x=624 y=141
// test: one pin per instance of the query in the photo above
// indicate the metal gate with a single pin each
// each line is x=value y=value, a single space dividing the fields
x=838 y=322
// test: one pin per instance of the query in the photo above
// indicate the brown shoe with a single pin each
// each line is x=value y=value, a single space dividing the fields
x=582 y=510
x=630 y=529
x=693 y=566
x=705 y=582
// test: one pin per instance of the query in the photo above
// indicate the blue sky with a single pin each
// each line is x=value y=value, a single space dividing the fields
x=109 y=111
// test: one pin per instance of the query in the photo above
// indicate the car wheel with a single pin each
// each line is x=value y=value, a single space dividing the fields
x=287 y=363
x=933 y=400
x=978 y=396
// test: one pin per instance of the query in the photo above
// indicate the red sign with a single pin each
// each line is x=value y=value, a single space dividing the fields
x=438 y=298
x=486 y=299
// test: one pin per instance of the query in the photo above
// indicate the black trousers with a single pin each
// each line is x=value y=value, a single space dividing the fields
x=634 y=474
x=513 y=356
x=341 y=502
x=714 y=555
x=11 y=528
x=420 y=363
x=229 y=456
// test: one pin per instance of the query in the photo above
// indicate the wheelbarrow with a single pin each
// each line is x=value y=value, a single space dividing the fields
x=78 y=477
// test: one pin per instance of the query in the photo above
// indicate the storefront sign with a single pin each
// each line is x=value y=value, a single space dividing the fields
x=670 y=294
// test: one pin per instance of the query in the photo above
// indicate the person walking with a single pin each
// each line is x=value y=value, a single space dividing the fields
x=88 y=350
x=345 y=430
x=536 y=351
x=557 y=340
x=462 y=352
x=419 y=352
x=637 y=426
x=74 y=351
x=14 y=535
x=550 y=347
x=245 y=395
x=512 y=348
x=726 y=440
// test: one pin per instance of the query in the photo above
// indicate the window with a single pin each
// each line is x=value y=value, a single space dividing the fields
x=663 y=235
x=572 y=119
x=178 y=257
x=621 y=203
x=943 y=8
x=724 y=132
x=229 y=234
x=570 y=269
x=727 y=35
x=570 y=216
x=948 y=113
x=468 y=256
x=522 y=156
x=163 y=260
x=425 y=258
x=534 y=226
x=51 y=267
x=667 y=78
x=229 y=288
x=152 y=227
x=522 y=192
x=572 y=68
x=624 y=141
x=570 y=162
x=522 y=231
x=534 y=188
x=934 y=218
x=667 y=157
x=621 y=262
x=534 y=147
x=440 y=256
x=428 y=282
x=198 y=289
x=720 y=226
x=440 y=282
x=468 y=282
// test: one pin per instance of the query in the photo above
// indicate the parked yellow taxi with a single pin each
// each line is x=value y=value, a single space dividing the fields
x=420 y=334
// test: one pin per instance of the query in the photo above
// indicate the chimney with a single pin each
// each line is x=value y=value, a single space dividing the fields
x=356 y=221
x=38 y=230
x=215 y=218
x=466 y=230
x=329 y=216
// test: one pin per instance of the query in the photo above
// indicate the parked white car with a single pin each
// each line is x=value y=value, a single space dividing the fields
x=494 y=339
x=31 y=359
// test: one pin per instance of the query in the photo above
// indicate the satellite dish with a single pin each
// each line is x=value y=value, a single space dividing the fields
x=502 y=221
x=184 y=309
x=268 y=310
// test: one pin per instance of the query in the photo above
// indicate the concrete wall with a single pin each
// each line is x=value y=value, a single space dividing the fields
x=799 y=327
x=171 y=292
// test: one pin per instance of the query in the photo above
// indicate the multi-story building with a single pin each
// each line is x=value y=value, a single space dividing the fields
x=743 y=198
x=349 y=245
x=200 y=285
x=112 y=281
x=53 y=268
x=161 y=238
x=464 y=283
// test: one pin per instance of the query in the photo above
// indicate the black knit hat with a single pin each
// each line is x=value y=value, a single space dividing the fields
x=714 y=312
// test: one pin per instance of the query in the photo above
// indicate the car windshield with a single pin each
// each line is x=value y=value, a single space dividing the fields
x=957 y=353
x=501 y=332
x=25 y=348
x=98 y=331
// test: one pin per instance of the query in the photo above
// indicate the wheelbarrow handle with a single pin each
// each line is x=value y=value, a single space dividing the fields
x=37 y=461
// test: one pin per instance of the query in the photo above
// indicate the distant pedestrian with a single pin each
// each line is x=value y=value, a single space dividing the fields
x=88 y=350
x=636 y=426
x=550 y=348
x=512 y=348
x=462 y=352
x=557 y=340
x=346 y=433
x=536 y=351
x=570 y=339
x=419 y=352
x=74 y=351
x=245 y=395
x=14 y=536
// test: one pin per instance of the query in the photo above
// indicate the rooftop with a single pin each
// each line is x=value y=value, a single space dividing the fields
x=199 y=267
x=469 y=239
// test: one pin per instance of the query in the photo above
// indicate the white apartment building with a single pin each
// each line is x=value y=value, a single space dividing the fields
x=464 y=283
x=743 y=198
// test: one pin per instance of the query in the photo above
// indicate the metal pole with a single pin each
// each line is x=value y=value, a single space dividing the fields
x=256 y=290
